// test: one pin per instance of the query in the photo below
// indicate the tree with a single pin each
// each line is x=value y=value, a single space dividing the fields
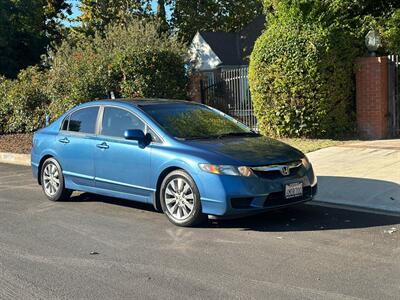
x=348 y=8
x=162 y=16
x=357 y=17
x=27 y=29
x=55 y=11
x=188 y=17
x=96 y=15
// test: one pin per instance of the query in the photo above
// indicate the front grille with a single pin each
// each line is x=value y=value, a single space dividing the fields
x=272 y=175
x=272 y=172
x=278 y=198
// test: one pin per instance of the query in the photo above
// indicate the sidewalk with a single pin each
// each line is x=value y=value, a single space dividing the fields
x=15 y=158
x=363 y=175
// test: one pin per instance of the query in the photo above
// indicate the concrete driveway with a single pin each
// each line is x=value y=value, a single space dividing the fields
x=363 y=175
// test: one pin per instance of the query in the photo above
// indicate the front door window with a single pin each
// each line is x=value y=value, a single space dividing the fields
x=116 y=121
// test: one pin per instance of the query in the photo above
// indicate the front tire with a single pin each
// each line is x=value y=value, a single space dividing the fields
x=52 y=180
x=180 y=199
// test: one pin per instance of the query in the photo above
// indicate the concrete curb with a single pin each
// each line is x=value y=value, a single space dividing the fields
x=15 y=158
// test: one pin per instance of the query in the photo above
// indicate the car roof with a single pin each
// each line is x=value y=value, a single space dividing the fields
x=141 y=101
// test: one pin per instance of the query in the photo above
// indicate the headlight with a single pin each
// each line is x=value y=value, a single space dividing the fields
x=306 y=163
x=226 y=170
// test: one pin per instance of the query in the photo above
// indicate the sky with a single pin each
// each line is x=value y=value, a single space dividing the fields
x=75 y=10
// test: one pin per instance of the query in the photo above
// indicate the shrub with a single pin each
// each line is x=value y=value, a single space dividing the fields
x=131 y=61
x=24 y=102
x=77 y=75
x=5 y=108
x=152 y=73
x=301 y=77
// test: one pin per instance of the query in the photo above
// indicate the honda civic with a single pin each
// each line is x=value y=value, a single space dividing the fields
x=186 y=159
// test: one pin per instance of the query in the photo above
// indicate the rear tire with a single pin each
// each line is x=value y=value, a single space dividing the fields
x=180 y=199
x=52 y=180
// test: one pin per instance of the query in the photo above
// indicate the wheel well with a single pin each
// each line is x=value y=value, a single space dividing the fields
x=157 y=203
x=40 y=167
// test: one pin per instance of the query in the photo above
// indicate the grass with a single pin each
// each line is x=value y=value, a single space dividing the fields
x=310 y=145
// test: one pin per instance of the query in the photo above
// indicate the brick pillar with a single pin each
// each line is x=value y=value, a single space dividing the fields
x=194 y=87
x=372 y=97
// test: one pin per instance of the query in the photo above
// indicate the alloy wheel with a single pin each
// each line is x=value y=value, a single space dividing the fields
x=51 y=179
x=179 y=199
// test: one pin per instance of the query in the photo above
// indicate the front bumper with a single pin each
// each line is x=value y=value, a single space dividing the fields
x=236 y=195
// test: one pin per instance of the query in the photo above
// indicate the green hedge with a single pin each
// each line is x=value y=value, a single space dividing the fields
x=23 y=102
x=301 y=77
x=130 y=61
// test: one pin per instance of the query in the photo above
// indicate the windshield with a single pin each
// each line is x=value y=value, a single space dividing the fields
x=192 y=121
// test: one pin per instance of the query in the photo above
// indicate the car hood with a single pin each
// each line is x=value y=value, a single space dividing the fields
x=250 y=151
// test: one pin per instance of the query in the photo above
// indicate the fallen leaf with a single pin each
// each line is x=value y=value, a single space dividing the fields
x=391 y=230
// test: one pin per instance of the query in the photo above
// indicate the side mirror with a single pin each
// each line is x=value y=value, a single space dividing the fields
x=134 y=135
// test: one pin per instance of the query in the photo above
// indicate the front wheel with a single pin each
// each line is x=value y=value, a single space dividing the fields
x=52 y=181
x=180 y=199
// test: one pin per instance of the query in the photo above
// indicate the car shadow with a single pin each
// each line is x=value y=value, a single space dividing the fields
x=305 y=217
x=89 y=197
x=308 y=217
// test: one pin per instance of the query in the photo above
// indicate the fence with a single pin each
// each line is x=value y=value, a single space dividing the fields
x=228 y=90
x=394 y=101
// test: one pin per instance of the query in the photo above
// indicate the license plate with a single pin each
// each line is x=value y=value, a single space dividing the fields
x=293 y=190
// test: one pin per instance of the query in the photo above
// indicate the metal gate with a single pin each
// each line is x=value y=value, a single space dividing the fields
x=394 y=101
x=228 y=90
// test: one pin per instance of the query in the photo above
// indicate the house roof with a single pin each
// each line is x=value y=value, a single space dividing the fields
x=226 y=45
x=234 y=48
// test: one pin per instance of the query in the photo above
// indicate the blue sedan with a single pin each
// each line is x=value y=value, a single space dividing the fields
x=186 y=159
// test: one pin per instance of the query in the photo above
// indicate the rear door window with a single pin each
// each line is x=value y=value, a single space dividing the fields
x=84 y=120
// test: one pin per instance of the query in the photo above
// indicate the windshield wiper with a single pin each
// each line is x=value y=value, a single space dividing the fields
x=238 y=134
x=200 y=137
x=219 y=136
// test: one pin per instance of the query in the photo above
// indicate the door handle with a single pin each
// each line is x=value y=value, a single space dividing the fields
x=64 y=140
x=103 y=145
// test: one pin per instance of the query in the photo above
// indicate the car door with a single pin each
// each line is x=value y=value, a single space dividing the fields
x=122 y=165
x=76 y=143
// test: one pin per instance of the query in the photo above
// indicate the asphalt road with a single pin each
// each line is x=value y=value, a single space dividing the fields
x=308 y=252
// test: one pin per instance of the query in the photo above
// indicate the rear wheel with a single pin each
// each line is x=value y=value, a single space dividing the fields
x=180 y=199
x=52 y=181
